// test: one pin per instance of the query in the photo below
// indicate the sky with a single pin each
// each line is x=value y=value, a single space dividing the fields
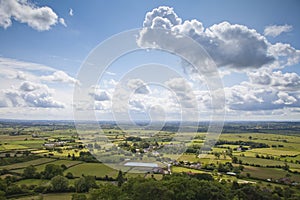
x=254 y=46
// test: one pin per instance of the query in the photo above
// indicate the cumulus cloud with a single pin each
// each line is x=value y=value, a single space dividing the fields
x=251 y=97
x=228 y=44
x=138 y=86
x=43 y=100
x=289 y=81
x=285 y=98
x=161 y=17
x=286 y=81
x=59 y=76
x=276 y=30
x=184 y=92
x=29 y=94
x=285 y=54
x=39 y=18
x=137 y=105
x=99 y=94
x=25 y=88
x=29 y=86
x=260 y=77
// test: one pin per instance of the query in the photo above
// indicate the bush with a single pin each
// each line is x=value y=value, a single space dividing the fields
x=59 y=183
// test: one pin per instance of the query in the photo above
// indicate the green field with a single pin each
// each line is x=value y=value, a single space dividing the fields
x=266 y=162
x=36 y=162
x=92 y=169
x=176 y=169
x=67 y=163
x=53 y=196
x=267 y=173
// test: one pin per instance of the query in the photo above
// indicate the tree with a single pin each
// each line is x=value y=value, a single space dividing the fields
x=234 y=159
x=286 y=167
x=248 y=175
x=107 y=192
x=80 y=185
x=120 y=178
x=69 y=175
x=85 y=183
x=217 y=155
x=29 y=172
x=52 y=170
x=2 y=195
x=59 y=183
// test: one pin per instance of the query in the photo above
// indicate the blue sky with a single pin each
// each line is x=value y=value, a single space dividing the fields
x=47 y=54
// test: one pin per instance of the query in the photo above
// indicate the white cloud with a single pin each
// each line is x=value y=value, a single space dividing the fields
x=285 y=54
x=110 y=73
x=286 y=81
x=34 y=91
x=99 y=94
x=138 y=86
x=161 y=17
x=39 y=18
x=289 y=81
x=62 y=21
x=30 y=94
x=71 y=12
x=29 y=86
x=260 y=77
x=285 y=98
x=43 y=100
x=183 y=91
x=228 y=44
x=59 y=76
x=137 y=105
x=257 y=97
x=17 y=66
x=276 y=30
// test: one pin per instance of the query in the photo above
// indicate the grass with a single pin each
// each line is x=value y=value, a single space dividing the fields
x=176 y=169
x=33 y=182
x=67 y=163
x=52 y=196
x=275 y=151
x=12 y=147
x=36 y=162
x=33 y=143
x=265 y=162
x=266 y=173
x=92 y=169
x=64 y=153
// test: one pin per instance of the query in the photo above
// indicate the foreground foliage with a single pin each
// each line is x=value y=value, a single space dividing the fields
x=181 y=187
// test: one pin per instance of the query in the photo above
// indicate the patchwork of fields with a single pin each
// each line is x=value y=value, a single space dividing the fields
x=260 y=158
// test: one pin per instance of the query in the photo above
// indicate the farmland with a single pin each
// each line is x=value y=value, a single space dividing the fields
x=259 y=155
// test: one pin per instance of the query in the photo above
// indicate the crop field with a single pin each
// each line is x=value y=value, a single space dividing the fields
x=12 y=147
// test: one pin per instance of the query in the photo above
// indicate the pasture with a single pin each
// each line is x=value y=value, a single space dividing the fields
x=92 y=169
